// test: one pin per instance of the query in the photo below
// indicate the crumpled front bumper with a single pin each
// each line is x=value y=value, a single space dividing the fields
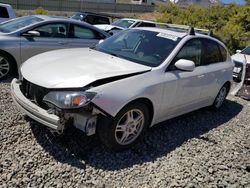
x=32 y=110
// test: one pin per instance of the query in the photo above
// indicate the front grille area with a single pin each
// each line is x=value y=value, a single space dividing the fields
x=35 y=93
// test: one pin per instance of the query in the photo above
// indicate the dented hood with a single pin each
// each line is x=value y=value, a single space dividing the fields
x=241 y=57
x=72 y=68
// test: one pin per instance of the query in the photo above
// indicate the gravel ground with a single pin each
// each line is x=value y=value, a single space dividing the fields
x=201 y=149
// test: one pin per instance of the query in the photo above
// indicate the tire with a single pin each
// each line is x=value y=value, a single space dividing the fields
x=7 y=65
x=123 y=131
x=220 y=98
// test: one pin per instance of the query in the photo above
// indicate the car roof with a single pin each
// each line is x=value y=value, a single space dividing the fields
x=46 y=18
x=4 y=5
x=137 y=20
x=175 y=32
x=179 y=34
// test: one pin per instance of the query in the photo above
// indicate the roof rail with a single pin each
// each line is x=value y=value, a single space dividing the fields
x=190 y=30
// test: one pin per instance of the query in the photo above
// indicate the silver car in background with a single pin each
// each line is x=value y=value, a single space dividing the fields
x=27 y=36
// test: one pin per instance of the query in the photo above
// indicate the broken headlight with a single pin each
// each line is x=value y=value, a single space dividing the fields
x=69 y=99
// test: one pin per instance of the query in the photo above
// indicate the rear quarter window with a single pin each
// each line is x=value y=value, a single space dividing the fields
x=4 y=12
x=223 y=53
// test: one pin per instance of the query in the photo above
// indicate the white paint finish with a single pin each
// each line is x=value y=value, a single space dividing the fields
x=240 y=57
x=172 y=93
x=72 y=68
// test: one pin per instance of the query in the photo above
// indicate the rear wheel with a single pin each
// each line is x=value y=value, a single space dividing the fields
x=221 y=96
x=6 y=65
x=126 y=128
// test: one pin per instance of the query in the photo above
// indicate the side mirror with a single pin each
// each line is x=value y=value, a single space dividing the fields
x=31 y=34
x=185 y=65
x=238 y=51
x=100 y=41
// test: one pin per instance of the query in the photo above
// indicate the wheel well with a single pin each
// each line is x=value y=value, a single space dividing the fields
x=11 y=57
x=228 y=84
x=149 y=104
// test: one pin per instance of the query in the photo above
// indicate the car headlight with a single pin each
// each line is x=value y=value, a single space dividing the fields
x=69 y=99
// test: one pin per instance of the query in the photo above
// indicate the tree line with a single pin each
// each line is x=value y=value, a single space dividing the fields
x=230 y=23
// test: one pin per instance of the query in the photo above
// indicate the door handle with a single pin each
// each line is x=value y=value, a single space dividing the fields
x=62 y=43
x=224 y=70
x=200 y=76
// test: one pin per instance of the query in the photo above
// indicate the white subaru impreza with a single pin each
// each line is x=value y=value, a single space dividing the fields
x=126 y=84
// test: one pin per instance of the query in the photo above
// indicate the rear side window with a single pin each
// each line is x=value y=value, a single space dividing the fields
x=101 y=20
x=145 y=24
x=4 y=12
x=96 y=20
x=81 y=32
x=212 y=53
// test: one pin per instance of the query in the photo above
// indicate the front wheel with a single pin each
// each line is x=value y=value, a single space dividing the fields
x=126 y=128
x=6 y=66
x=220 y=98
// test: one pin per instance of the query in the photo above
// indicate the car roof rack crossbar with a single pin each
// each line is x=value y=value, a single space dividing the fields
x=190 y=30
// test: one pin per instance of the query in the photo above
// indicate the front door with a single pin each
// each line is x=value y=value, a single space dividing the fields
x=187 y=84
x=52 y=36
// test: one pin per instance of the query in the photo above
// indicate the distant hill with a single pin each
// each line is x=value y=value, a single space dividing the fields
x=203 y=3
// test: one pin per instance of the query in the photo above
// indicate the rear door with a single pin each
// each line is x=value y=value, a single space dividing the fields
x=52 y=36
x=216 y=68
x=83 y=36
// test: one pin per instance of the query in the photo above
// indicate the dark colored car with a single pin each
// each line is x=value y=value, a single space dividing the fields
x=91 y=18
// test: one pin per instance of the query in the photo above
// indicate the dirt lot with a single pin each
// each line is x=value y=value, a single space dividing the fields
x=201 y=149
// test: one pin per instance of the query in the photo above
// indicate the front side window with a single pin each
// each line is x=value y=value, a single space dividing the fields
x=192 y=50
x=212 y=52
x=55 y=30
x=144 y=47
x=84 y=33
x=19 y=23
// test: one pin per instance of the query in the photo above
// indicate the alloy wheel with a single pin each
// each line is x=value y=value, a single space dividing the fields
x=221 y=97
x=129 y=127
x=4 y=67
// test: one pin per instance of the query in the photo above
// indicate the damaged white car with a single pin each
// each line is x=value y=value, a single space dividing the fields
x=126 y=84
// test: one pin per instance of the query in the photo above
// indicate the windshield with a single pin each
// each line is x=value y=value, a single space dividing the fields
x=78 y=16
x=18 y=23
x=123 y=23
x=140 y=46
x=246 y=51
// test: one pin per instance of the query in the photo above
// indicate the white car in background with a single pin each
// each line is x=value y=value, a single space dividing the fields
x=125 y=23
x=239 y=58
x=126 y=84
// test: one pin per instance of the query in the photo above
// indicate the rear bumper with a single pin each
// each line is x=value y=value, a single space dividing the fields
x=32 y=110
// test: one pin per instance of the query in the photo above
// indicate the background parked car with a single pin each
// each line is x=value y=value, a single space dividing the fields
x=91 y=18
x=125 y=23
x=241 y=79
x=6 y=12
x=24 y=37
x=239 y=59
